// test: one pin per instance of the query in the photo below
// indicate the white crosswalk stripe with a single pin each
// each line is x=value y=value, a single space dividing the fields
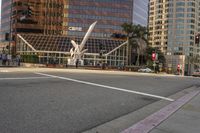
x=4 y=71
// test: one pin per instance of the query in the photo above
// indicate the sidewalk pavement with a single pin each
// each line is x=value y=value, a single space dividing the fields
x=185 y=120
x=11 y=64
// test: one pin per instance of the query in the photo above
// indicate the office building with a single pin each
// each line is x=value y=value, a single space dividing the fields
x=173 y=25
x=65 y=17
x=69 y=18
x=140 y=12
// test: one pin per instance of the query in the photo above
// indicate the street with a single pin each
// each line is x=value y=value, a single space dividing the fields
x=41 y=100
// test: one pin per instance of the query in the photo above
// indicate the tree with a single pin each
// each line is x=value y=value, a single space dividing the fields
x=128 y=29
x=136 y=39
x=140 y=35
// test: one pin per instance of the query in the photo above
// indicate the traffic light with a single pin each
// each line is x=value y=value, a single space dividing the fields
x=153 y=56
x=29 y=12
x=197 y=39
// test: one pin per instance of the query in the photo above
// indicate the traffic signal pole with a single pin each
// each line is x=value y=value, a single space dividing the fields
x=154 y=60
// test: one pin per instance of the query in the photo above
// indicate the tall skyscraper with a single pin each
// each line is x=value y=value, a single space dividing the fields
x=30 y=16
x=173 y=27
x=71 y=17
x=65 y=17
x=140 y=12
x=68 y=20
x=109 y=14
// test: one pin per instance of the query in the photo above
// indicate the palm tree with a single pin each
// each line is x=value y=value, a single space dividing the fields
x=128 y=29
x=140 y=34
x=136 y=38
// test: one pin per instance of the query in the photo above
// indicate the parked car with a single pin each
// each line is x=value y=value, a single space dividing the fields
x=148 y=70
x=196 y=73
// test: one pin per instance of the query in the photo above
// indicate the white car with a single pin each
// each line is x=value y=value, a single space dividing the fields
x=196 y=73
x=148 y=70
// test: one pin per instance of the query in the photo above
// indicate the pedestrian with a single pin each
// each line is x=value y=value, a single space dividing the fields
x=4 y=59
x=66 y=63
x=18 y=59
x=77 y=61
x=1 y=58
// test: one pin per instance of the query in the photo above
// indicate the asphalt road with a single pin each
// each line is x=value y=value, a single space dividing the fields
x=74 y=102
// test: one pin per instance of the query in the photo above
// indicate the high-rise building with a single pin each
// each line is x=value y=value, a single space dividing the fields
x=140 y=12
x=173 y=27
x=71 y=17
x=30 y=16
x=65 y=17
x=46 y=26
x=109 y=14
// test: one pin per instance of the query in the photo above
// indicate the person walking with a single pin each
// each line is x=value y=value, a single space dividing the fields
x=18 y=59
x=77 y=61
x=4 y=59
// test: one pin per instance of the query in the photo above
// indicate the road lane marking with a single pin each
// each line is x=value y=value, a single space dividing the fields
x=24 y=78
x=152 y=121
x=4 y=71
x=108 y=87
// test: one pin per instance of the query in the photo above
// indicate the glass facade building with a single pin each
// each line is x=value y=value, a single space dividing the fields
x=173 y=27
x=5 y=18
x=30 y=16
x=71 y=17
x=65 y=17
x=140 y=12
x=110 y=14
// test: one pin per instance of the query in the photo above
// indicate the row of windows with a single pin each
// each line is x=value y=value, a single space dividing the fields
x=189 y=3
x=94 y=8
x=98 y=17
x=183 y=4
x=97 y=26
x=171 y=11
x=178 y=32
x=73 y=33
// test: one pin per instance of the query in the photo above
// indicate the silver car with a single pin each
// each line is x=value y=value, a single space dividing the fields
x=147 y=70
x=196 y=73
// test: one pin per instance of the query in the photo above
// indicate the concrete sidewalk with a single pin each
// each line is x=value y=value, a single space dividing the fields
x=185 y=120
x=180 y=116
x=10 y=64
